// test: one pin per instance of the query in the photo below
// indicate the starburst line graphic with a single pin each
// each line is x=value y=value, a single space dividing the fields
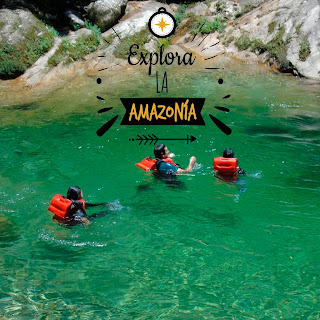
x=219 y=54
x=203 y=40
x=210 y=46
x=223 y=127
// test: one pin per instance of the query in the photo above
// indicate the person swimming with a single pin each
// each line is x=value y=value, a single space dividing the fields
x=71 y=210
x=227 y=165
x=164 y=163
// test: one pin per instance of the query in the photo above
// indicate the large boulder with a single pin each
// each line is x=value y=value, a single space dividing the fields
x=106 y=13
x=137 y=17
x=23 y=39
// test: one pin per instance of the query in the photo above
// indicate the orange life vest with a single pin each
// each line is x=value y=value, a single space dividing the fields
x=148 y=164
x=225 y=166
x=60 y=206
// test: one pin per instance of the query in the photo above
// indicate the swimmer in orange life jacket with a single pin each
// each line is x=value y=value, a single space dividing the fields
x=227 y=165
x=165 y=164
x=72 y=209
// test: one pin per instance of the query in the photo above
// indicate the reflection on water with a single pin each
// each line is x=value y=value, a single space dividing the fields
x=9 y=232
x=191 y=247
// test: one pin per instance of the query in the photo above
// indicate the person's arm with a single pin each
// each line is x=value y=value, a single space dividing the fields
x=240 y=171
x=96 y=204
x=190 y=166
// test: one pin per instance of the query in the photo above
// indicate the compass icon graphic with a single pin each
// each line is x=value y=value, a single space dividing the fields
x=162 y=24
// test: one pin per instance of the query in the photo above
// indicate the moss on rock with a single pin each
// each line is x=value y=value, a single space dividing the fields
x=304 y=51
x=141 y=38
x=24 y=40
x=70 y=52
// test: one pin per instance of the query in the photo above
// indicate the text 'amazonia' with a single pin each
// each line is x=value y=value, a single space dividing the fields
x=163 y=111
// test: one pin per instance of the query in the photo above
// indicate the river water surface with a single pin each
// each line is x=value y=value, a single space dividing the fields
x=198 y=249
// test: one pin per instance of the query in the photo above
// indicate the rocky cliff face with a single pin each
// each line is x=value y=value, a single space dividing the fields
x=283 y=33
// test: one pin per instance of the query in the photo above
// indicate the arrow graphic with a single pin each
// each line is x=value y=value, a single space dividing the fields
x=154 y=139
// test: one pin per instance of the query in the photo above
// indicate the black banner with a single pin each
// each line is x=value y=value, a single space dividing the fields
x=163 y=111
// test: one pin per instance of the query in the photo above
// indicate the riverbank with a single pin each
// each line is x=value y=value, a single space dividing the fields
x=258 y=32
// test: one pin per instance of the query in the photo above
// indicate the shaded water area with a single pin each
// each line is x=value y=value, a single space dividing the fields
x=200 y=249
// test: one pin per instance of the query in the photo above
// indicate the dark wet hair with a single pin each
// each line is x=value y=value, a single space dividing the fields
x=74 y=193
x=228 y=153
x=159 y=151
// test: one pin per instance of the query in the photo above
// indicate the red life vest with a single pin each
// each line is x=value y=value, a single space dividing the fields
x=148 y=164
x=60 y=206
x=226 y=166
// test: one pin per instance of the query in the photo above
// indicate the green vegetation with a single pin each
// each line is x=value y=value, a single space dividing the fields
x=74 y=51
x=238 y=14
x=228 y=41
x=108 y=40
x=277 y=48
x=179 y=15
x=271 y=26
x=123 y=49
x=205 y=26
x=70 y=52
x=219 y=7
x=304 y=51
x=244 y=42
x=298 y=28
x=95 y=29
x=15 y=26
x=53 y=31
x=257 y=46
x=15 y=59
x=163 y=41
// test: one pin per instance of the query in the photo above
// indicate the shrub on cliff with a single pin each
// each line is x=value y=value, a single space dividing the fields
x=205 y=26
x=304 y=50
x=72 y=51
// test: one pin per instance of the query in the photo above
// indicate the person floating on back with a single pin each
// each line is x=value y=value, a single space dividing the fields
x=163 y=163
x=227 y=165
x=71 y=210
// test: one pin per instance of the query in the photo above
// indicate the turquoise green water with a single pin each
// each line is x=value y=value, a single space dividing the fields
x=205 y=249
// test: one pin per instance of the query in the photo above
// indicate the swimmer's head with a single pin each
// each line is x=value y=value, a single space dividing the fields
x=228 y=153
x=161 y=151
x=74 y=193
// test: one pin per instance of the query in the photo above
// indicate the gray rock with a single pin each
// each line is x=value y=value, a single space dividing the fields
x=298 y=20
x=137 y=18
x=75 y=18
x=16 y=25
x=200 y=9
x=25 y=39
x=106 y=13
x=227 y=7
x=244 y=3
